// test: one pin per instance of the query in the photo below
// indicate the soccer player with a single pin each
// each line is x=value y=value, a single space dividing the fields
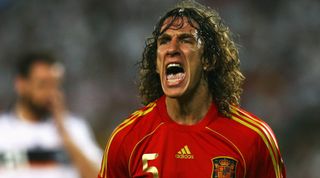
x=38 y=136
x=192 y=125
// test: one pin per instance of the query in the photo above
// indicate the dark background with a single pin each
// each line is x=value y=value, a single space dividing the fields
x=101 y=41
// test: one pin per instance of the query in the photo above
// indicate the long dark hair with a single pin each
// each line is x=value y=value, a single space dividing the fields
x=220 y=53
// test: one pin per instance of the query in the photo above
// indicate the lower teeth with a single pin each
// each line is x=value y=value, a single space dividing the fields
x=177 y=76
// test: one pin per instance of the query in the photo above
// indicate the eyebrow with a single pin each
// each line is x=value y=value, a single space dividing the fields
x=180 y=36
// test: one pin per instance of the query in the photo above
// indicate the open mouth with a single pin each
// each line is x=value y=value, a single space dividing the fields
x=174 y=74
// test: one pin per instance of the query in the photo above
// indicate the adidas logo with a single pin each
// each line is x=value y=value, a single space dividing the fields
x=184 y=153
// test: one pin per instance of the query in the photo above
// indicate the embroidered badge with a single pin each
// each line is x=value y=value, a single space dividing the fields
x=224 y=167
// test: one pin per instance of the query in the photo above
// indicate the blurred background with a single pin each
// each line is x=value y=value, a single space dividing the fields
x=100 y=43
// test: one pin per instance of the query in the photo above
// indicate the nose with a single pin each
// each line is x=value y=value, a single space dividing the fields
x=173 y=48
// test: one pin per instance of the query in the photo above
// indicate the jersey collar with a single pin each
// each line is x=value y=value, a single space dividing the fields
x=211 y=115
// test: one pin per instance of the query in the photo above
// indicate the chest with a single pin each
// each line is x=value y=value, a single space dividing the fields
x=24 y=136
x=172 y=153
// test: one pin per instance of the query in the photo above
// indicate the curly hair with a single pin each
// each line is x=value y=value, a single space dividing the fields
x=219 y=52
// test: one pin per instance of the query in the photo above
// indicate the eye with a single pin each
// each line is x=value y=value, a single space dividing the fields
x=163 y=40
x=187 y=39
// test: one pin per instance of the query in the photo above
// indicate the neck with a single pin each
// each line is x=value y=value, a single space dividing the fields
x=190 y=109
x=25 y=113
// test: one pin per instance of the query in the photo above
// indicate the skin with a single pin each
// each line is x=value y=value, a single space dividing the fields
x=188 y=102
x=39 y=95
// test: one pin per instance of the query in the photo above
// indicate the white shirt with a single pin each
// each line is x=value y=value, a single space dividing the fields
x=18 y=137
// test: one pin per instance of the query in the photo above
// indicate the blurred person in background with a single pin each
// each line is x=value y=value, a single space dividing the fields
x=192 y=125
x=38 y=136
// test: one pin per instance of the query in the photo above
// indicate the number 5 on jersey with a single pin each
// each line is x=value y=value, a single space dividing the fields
x=153 y=170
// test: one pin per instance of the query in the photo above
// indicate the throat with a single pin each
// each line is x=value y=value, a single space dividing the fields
x=188 y=110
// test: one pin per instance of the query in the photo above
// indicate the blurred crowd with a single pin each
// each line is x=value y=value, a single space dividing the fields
x=100 y=43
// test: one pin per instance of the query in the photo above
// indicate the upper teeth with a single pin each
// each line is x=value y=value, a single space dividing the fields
x=174 y=65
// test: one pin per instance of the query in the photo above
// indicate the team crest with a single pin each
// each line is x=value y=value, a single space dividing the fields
x=224 y=167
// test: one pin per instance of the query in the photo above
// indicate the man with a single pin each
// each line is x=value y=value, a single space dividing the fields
x=192 y=125
x=38 y=137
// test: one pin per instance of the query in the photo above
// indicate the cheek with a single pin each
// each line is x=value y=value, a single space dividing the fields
x=37 y=96
x=40 y=94
x=40 y=99
x=157 y=65
x=29 y=93
x=159 y=61
x=196 y=70
x=196 y=66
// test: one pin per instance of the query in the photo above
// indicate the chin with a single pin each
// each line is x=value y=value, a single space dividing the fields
x=177 y=92
x=173 y=95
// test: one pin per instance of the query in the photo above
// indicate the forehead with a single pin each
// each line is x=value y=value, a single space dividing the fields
x=44 y=70
x=179 y=25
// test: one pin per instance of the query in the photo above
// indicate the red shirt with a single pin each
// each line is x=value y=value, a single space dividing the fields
x=150 y=144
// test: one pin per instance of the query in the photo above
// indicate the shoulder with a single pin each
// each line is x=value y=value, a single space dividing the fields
x=252 y=123
x=248 y=131
x=126 y=134
x=76 y=125
x=5 y=115
x=136 y=125
x=71 y=120
x=265 y=140
x=7 y=118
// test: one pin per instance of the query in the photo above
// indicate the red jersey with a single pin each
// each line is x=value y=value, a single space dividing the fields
x=149 y=144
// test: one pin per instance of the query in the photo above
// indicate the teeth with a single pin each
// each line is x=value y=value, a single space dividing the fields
x=174 y=65
x=175 y=76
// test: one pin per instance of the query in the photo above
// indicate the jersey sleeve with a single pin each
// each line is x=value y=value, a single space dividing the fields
x=268 y=161
x=114 y=164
